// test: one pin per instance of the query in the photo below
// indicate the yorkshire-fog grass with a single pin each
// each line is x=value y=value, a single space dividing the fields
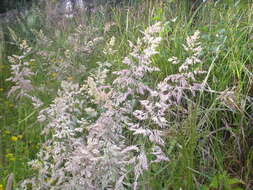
x=185 y=122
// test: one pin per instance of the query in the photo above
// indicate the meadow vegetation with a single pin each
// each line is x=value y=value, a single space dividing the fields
x=142 y=95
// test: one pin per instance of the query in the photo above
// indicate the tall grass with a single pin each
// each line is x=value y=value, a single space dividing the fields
x=207 y=135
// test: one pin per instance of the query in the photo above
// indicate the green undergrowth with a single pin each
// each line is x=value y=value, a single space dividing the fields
x=210 y=149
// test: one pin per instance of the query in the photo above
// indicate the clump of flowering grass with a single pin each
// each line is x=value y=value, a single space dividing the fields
x=80 y=152
x=84 y=39
x=64 y=127
x=171 y=94
x=46 y=63
x=178 y=87
x=72 y=56
x=22 y=75
x=87 y=125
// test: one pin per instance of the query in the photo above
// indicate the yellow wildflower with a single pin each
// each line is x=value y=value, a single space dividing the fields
x=14 y=138
x=54 y=74
x=1 y=187
x=10 y=156
x=31 y=61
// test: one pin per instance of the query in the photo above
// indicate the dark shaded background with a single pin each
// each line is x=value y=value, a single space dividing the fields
x=6 y=5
